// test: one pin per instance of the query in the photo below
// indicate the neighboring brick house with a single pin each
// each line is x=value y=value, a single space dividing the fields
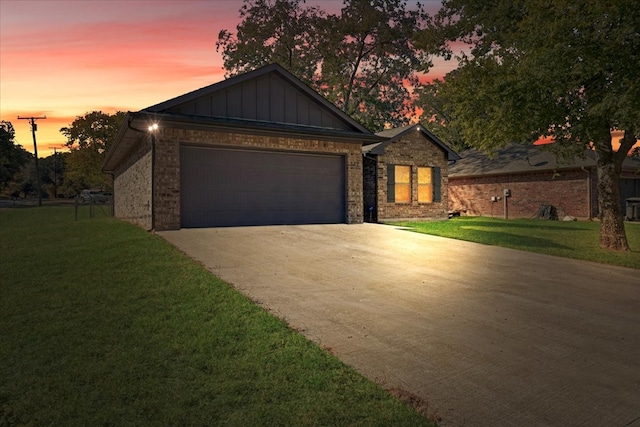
x=534 y=178
x=405 y=175
x=259 y=148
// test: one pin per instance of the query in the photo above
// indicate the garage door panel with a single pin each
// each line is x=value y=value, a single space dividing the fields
x=221 y=187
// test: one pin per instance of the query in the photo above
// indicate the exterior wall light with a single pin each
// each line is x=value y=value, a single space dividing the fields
x=153 y=127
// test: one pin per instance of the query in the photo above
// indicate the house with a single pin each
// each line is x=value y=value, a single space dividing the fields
x=263 y=148
x=405 y=175
x=533 y=177
x=259 y=148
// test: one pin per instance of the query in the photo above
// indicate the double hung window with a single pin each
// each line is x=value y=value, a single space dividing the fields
x=425 y=185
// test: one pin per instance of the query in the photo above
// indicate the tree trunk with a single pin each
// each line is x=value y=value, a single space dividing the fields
x=612 y=233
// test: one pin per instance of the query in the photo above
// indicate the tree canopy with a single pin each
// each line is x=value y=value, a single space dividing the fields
x=438 y=116
x=362 y=60
x=88 y=139
x=281 y=31
x=12 y=156
x=539 y=68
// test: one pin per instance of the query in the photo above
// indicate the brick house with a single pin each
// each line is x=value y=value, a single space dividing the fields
x=534 y=177
x=406 y=175
x=259 y=148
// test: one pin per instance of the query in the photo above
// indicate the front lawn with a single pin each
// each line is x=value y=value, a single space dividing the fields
x=578 y=239
x=105 y=324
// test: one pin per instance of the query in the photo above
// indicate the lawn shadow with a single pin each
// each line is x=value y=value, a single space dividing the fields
x=535 y=224
x=514 y=241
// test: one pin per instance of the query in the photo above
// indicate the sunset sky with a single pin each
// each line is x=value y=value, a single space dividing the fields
x=62 y=59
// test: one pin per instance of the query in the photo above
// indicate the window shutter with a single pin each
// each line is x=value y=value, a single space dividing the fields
x=437 y=185
x=391 y=183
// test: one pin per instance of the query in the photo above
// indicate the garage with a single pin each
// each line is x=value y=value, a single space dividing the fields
x=238 y=187
x=259 y=148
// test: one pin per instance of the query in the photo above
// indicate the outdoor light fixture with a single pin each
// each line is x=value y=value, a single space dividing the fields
x=153 y=127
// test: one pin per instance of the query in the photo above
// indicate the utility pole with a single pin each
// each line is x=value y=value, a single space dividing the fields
x=55 y=173
x=34 y=128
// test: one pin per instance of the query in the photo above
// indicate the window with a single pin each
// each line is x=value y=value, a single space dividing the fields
x=399 y=184
x=403 y=184
x=425 y=185
x=428 y=185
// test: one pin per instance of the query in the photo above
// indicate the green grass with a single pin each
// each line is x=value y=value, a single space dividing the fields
x=104 y=324
x=579 y=239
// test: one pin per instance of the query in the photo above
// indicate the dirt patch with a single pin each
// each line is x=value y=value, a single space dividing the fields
x=415 y=401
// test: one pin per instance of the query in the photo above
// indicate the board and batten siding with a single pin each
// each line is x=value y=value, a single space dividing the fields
x=268 y=99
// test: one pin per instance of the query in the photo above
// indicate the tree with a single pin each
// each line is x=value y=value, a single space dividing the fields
x=539 y=68
x=24 y=182
x=280 y=31
x=370 y=63
x=12 y=156
x=52 y=170
x=88 y=139
x=437 y=116
x=362 y=60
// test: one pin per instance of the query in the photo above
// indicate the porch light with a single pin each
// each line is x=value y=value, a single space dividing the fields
x=153 y=127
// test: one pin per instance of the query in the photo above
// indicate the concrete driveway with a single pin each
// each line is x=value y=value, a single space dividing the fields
x=487 y=336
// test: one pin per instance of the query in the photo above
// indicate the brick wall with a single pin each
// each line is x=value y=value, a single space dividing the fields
x=167 y=169
x=167 y=180
x=132 y=187
x=567 y=190
x=415 y=150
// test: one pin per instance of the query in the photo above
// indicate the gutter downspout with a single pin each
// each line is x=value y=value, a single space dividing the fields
x=153 y=180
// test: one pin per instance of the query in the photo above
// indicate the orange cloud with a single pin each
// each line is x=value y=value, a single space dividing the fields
x=48 y=135
x=616 y=136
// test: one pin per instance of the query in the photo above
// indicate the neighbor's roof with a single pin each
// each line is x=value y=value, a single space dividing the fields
x=518 y=158
x=395 y=134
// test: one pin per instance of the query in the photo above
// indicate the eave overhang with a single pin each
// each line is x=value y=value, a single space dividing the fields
x=134 y=130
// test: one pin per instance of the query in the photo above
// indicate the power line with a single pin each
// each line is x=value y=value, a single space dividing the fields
x=34 y=128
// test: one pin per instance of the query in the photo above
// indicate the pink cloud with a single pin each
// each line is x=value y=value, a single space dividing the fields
x=72 y=69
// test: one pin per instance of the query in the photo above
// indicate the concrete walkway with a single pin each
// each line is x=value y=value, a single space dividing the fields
x=488 y=336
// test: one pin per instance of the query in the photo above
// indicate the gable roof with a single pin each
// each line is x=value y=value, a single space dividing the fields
x=516 y=158
x=269 y=100
x=269 y=94
x=395 y=134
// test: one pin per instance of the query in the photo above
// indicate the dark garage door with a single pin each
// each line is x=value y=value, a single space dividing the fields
x=222 y=187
